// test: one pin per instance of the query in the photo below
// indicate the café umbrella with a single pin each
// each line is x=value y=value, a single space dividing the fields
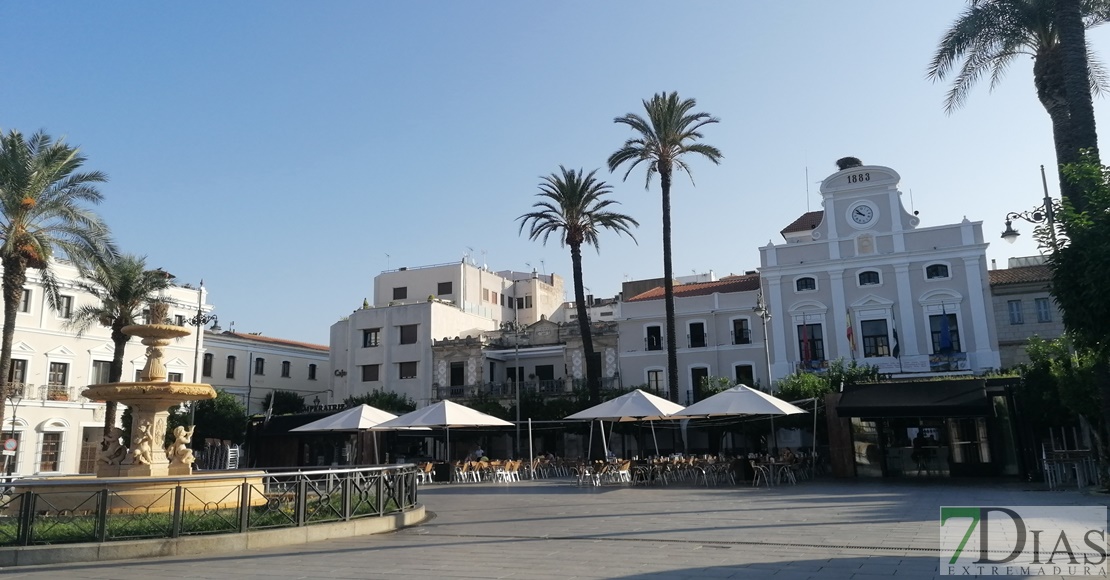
x=360 y=418
x=636 y=405
x=447 y=415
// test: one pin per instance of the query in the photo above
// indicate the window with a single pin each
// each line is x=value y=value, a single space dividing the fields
x=65 y=306
x=371 y=337
x=285 y=369
x=179 y=319
x=741 y=334
x=494 y=294
x=146 y=316
x=206 y=366
x=699 y=378
x=514 y=374
x=528 y=301
x=406 y=370
x=655 y=381
x=138 y=375
x=231 y=367
x=876 y=342
x=17 y=372
x=520 y=304
x=370 y=373
x=408 y=333
x=654 y=340
x=25 y=302
x=458 y=374
x=696 y=337
x=443 y=288
x=937 y=325
x=100 y=371
x=1044 y=310
x=805 y=284
x=811 y=344
x=259 y=366
x=545 y=372
x=936 y=271
x=50 y=452
x=312 y=372
x=745 y=374
x=175 y=377
x=401 y=293
x=1014 y=308
x=868 y=278
x=59 y=373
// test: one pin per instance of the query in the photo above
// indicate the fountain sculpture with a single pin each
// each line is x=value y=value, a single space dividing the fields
x=149 y=400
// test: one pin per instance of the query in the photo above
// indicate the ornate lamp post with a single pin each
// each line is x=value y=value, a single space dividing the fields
x=13 y=392
x=200 y=321
x=764 y=314
x=1043 y=214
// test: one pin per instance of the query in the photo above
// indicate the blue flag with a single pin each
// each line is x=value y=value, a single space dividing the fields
x=945 y=332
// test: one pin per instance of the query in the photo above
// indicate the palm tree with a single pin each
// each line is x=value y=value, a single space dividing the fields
x=42 y=193
x=990 y=34
x=669 y=132
x=124 y=286
x=571 y=208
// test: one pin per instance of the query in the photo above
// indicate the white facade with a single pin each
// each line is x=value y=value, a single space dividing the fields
x=389 y=344
x=864 y=259
x=719 y=335
x=252 y=366
x=58 y=429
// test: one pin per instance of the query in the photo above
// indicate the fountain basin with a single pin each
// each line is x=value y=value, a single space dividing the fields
x=77 y=495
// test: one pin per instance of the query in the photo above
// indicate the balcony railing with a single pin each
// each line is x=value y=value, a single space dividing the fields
x=29 y=392
x=507 y=390
x=742 y=336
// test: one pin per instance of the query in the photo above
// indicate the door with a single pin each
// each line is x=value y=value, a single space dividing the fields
x=698 y=376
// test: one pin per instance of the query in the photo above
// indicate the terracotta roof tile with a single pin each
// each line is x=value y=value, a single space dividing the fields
x=271 y=340
x=743 y=283
x=1020 y=275
x=808 y=221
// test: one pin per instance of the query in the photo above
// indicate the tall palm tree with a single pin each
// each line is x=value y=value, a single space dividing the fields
x=42 y=197
x=572 y=208
x=124 y=286
x=990 y=34
x=670 y=131
x=1077 y=78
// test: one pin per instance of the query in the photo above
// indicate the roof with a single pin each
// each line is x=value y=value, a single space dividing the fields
x=271 y=340
x=808 y=221
x=951 y=398
x=1020 y=275
x=743 y=283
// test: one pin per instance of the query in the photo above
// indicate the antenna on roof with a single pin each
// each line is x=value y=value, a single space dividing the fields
x=807 y=189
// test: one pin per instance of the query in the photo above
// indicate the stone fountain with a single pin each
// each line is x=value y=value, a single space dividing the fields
x=144 y=472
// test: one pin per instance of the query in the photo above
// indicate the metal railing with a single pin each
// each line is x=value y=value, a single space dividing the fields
x=48 y=392
x=507 y=390
x=44 y=511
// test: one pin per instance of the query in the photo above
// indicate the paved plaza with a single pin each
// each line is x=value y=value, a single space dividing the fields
x=553 y=529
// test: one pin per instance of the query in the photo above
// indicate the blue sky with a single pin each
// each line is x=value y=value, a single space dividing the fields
x=281 y=150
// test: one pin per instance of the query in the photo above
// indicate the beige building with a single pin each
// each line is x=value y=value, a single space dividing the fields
x=252 y=366
x=1023 y=307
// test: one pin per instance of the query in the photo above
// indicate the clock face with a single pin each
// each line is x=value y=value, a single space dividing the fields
x=862 y=214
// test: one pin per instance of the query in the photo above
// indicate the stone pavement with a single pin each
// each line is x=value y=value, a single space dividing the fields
x=863 y=529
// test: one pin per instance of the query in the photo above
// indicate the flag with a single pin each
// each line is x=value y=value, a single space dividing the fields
x=897 y=348
x=851 y=335
x=945 y=331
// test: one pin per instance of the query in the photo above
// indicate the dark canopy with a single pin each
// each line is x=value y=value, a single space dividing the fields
x=952 y=398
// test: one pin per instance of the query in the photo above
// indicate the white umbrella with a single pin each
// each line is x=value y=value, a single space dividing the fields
x=360 y=418
x=739 y=400
x=634 y=406
x=447 y=415
x=353 y=419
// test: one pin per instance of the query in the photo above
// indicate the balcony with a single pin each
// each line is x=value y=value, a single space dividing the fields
x=29 y=392
x=742 y=336
x=507 y=390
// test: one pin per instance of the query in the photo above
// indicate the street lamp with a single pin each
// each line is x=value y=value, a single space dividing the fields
x=1045 y=213
x=13 y=392
x=764 y=314
x=200 y=321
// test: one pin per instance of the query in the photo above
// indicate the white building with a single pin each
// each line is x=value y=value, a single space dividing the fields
x=719 y=335
x=252 y=366
x=58 y=430
x=862 y=263
x=388 y=344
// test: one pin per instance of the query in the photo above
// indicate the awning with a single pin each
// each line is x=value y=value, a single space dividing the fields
x=954 y=398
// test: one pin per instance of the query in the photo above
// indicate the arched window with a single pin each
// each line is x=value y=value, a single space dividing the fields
x=231 y=367
x=868 y=278
x=805 y=284
x=206 y=368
